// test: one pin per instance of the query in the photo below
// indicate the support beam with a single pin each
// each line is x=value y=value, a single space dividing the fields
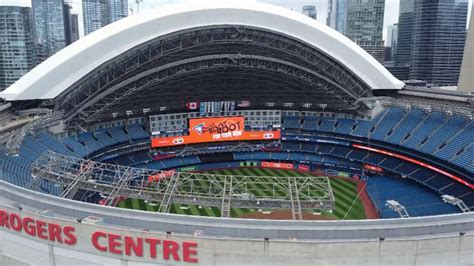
x=168 y=196
x=295 y=200
x=226 y=197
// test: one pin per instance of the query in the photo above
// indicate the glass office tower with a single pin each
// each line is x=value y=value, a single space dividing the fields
x=439 y=34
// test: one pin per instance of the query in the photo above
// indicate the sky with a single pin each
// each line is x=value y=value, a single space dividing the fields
x=391 y=7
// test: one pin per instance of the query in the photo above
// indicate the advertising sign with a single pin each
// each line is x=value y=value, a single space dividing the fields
x=373 y=168
x=277 y=165
x=164 y=174
x=215 y=129
x=303 y=168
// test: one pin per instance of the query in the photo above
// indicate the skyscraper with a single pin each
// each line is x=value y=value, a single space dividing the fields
x=71 y=26
x=364 y=25
x=99 y=13
x=405 y=33
x=94 y=13
x=48 y=17
x=310 y=11
x=336 y=18
x=16 y=44
x=439 y=36
x=466 y=79
x=118 y=9
x=392 y=39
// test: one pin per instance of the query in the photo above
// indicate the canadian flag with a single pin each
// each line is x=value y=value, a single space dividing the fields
x=192 y=105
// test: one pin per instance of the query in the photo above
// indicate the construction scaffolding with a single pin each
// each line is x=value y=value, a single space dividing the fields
x=222 y=191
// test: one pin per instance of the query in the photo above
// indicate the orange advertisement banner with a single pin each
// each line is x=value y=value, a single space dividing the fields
x=277 y=165
x=213 y=130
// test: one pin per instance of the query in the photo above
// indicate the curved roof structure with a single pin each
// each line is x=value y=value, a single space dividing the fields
x=327 y=59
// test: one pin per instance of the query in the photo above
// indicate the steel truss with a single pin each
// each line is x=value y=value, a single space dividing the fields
x=178 y=54
x=224 y=191
x=15 y=140
x=428 y=106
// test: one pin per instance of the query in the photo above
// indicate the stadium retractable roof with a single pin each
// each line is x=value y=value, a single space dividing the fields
x=206 y=51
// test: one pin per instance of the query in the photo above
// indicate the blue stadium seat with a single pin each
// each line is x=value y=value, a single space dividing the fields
x=105 y=139
x=412 y=119
x=310 y=123
x=77 y=147
x=291 y=122
x=137 y=133
x=55 y=145
x=89 y=141
x=119 y=135
x=344 y=126
x=427 y=126
x=444 y=133
x=418 y=200
x=390 y=120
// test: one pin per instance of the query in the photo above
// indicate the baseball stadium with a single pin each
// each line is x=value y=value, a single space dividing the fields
x=234 y=133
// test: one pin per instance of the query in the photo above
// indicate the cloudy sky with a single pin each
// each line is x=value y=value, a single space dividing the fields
x=391 y=7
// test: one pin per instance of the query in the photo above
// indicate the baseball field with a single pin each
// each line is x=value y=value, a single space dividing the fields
x=347 y=205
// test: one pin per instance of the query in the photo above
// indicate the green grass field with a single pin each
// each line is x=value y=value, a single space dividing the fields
x=344 y=193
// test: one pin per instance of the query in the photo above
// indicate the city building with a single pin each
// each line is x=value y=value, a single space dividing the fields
x=118 y=9
x=93 y=15
x=438 y=40
x=99 y=13
x=336 y=18
x=466 y=79
x=16 y=44
x=392 y=40
x=49 y=27
x=71 y=24
x=310 y=11
x=364 y=25
x=405 y=33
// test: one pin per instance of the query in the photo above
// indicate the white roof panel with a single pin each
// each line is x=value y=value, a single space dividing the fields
x=69 y=65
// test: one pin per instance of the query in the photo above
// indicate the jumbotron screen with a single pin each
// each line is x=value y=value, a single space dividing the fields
x=215 y=129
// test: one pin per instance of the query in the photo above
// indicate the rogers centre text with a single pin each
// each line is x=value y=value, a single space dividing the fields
x=102 y=241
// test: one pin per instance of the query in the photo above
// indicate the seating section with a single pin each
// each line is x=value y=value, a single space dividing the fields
x=55 y=145
x=77 y=147
x=17 y=169
x=172 y=163
x=446 y=137
x=291 y=122
x=119 y=135
x=430 y=179
x=417 y=200
x=88 y=140
x=137 y=133
x=105 y=139
x=310 y=124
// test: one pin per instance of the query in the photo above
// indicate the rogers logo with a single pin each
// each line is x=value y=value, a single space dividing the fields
x=268 y=136
x=178 y=141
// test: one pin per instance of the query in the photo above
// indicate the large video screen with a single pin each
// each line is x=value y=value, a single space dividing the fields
x=215 y=129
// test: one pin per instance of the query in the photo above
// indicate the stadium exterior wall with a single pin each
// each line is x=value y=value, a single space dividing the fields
x=46 y=81
x=439 y=250
x=430 y=247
